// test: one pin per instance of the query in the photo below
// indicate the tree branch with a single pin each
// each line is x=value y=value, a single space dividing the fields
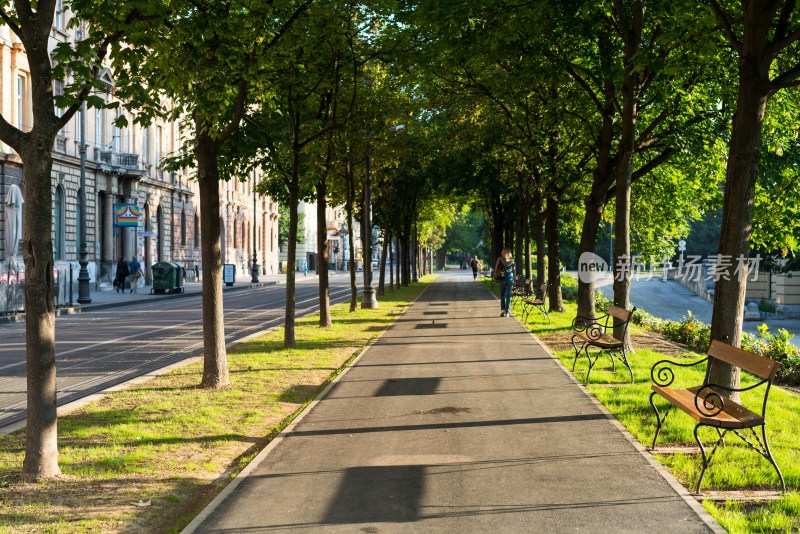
x=726 y=25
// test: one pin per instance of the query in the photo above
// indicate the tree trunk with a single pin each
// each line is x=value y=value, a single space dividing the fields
x=526 y=229
x=215 y=359
x=325 y=320
x=624 y=161
x=407 y=258
x=351 y=260
x=389 y=238
x=519 y=227
x=553 y=265
x=591 y=223
x=602 y=180
x=382 y=267
x=539 y=233
x=737 y=213
x=291 y=256
x=41 y=433
x=498 y=227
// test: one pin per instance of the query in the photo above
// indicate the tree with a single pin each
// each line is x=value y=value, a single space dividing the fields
x=283 y=226
x=764 y=37
x=31 y=23
x=206 y=57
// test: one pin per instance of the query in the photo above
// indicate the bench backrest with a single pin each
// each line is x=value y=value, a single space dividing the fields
x=760 y=366
x=620 y=313
x=542 y=291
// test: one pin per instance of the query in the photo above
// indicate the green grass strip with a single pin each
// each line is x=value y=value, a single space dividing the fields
x=151 y=457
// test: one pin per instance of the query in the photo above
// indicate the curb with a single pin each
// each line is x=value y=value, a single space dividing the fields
x=259 y=458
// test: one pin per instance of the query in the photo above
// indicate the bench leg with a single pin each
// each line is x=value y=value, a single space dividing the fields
x=705 y=460
x=659 y=418
x=543 y=310
x=577 y=351
x=591 y=362
x=770 y=457
x=624 y=359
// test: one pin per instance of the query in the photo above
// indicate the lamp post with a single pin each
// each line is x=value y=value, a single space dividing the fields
x=368 y=302
x=254 y=266
x=83 y=274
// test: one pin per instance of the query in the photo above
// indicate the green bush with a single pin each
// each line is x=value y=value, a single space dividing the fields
x=697 y=335
x=601 y=303
x=777 y=347
x=569 y=288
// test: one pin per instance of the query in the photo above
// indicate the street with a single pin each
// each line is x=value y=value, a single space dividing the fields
x=105 y=347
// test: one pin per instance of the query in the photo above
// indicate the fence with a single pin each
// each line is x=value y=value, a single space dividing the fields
x=12 y=290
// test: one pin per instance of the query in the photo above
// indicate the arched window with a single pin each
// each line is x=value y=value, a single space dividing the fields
x=58 y=224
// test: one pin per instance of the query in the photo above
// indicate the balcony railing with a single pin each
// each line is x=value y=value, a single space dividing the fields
x=119 y=161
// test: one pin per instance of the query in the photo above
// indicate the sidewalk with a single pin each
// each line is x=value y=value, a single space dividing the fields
x=455 y=420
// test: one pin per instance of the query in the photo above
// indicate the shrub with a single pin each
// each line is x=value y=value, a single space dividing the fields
x=569 y=288
x=601 y=303
x=777 y=347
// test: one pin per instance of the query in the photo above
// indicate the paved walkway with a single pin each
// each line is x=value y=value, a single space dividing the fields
x=455 y=420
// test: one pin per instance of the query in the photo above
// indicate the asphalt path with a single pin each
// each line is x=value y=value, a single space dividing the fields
x=105 y=347
x=455 y=420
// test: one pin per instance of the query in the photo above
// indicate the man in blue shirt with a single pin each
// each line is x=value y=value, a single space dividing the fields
x=136 y=273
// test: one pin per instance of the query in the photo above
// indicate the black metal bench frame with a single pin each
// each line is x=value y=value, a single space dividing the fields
x=593 y=332
x=535 y=300
x=711 y=406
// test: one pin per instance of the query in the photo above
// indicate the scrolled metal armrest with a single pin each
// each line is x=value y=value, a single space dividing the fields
x=594 y=330
x=663 y=375
x=580 y=323
x=712 y=402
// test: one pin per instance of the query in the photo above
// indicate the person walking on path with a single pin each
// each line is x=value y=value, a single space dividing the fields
x=135 y=270
x=475 y=264
x=122 y=273
x=504 y=270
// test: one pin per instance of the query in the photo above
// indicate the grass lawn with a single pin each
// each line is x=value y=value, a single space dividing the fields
x=149 y=458
x=735 y=467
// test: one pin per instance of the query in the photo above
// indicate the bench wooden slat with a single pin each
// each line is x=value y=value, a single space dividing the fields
x=620 y=313
x=733 y=415
x=752 y=363
x=604 y=342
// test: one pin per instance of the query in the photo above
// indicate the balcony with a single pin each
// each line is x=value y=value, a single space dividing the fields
x=61 y=144
x=120 y=163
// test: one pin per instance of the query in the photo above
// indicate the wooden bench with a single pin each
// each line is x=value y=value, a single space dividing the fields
x=523 y=287
x=589 y=332
x=535 y=300
x=710 y=404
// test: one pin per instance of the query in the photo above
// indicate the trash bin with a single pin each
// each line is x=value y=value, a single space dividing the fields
x=167 y=277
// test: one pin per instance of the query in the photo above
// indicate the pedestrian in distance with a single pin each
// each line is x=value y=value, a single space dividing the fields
x=474 y=264
x=504 y=273
x=135 y=270
x=122 y=274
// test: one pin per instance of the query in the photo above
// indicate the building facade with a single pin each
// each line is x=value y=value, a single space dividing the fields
x=123 y=168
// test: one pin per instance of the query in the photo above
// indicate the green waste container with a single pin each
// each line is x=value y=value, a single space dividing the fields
x=167 y=277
